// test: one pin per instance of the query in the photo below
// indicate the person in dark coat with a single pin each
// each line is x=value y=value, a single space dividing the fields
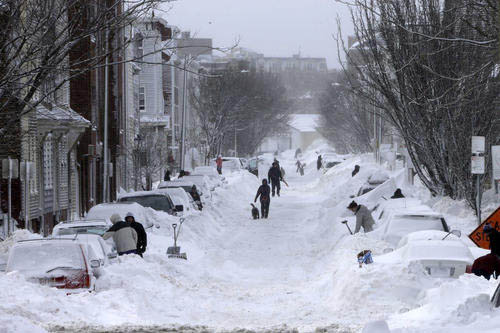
x=275 y=177
x=264 y=192
x=356 y=170
x=142 y=238
x=196 y=196
x=319 y=162
x=494 y=236
x=167 y=176
x=397 y=194
x=489 y=264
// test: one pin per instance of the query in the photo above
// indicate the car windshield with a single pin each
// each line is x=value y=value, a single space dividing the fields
x=91 y=229
x=157 y=202
x=411 y=223
x=42 y=257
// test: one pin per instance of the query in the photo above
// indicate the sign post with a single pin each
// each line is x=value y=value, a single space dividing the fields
x=9 y=171
x=477 y=168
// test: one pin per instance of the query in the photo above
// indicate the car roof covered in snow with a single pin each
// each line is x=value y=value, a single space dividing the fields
x=82 y=223
x=140 y=194
x=175 y=183
x=427 y=235
x=437 y=250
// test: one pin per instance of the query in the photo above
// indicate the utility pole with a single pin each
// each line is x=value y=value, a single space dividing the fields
x=235 y=143
x=183 y=125
x=106 y=157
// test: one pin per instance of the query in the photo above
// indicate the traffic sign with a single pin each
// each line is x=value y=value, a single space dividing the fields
x=478 y=237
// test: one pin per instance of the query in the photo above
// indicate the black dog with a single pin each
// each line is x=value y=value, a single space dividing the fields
x=255 y=212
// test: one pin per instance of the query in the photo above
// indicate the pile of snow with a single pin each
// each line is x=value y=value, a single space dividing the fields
x=259 y=275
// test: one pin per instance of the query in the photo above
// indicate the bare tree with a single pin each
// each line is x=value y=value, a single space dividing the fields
x=249 y=105
x=433 y=66
x=38 y=37
x=347 y=118
x=149 y=157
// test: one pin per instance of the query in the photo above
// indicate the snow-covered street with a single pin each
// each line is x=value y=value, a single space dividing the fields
x=294 y=271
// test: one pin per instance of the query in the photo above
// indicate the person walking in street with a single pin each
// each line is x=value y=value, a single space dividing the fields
x=319 y=162
x=356 y=170
x=142 y=238
x=167 y=176
x=275 y=177
x=218 y=161
x=265 y=200
x=300 y=168
x=298 y=151
x=363 y=217
x=124 y=235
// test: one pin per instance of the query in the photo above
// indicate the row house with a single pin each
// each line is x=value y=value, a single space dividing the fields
x=99 y=95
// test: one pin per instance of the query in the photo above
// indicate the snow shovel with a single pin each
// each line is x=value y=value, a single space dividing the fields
x=347 y=225
x=284 y=181
x=174 y=252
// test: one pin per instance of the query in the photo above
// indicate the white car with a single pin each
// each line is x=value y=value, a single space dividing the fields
x=60 y=263
x=453 y=235
x=211 y=173
x=230 y=164
x=201 y=182
x=375 y=180
x=105 y=210
x=401 y=223
x=102 y=250
x=181 y=198
x=185 y=185
x=382 y=211
x=96 y=227
x=439 y=258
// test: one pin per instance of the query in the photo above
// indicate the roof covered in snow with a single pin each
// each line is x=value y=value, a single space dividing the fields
x=304 y=122
x=57 y=113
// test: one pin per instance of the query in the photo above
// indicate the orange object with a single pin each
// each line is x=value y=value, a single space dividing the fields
x=478 y=237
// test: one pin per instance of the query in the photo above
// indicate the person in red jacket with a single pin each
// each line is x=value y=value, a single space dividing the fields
x=218 y=161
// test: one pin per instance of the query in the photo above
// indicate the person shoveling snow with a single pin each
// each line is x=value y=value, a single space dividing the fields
x=363 y=217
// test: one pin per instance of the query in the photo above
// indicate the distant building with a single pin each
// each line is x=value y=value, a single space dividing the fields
x=301 y=133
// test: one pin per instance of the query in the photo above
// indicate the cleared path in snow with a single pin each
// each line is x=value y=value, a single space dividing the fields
x=267 y=273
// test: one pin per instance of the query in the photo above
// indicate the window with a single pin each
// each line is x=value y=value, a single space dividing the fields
x=142 y=99
x=47 y=163
x=63 y=173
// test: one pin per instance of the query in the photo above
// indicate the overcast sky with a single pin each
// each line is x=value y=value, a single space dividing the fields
x=271 y=27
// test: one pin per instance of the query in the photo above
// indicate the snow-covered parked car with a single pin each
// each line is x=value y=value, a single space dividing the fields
x=96 y=227
x=402 y=222
x=184 y=203
x=330 y=160
x=453 y=235
x=105 y=210
x=439 y=258
x=382 y=211
x=185 y=184
x=211 y=173
x=155 y=200
x=376 y=179
x=201 y=181
x=230 y=164
x=60 y=263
